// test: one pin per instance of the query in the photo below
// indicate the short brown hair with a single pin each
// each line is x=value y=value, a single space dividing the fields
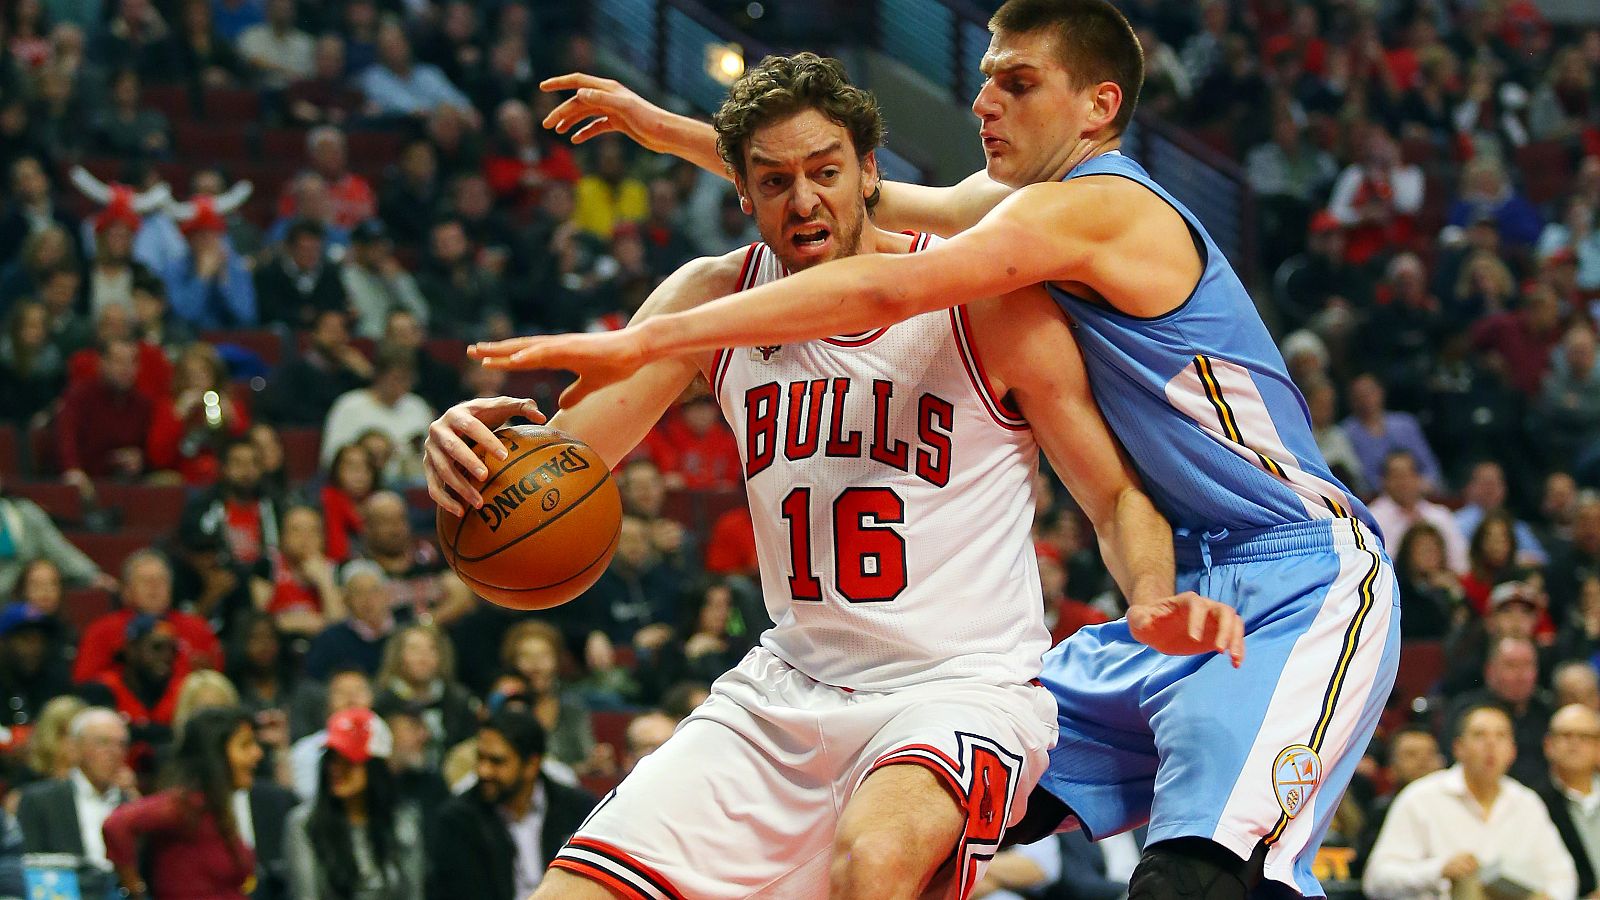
x=780 y=86
x=1094 y=39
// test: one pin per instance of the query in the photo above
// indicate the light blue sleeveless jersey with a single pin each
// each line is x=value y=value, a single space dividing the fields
x=1202 y=400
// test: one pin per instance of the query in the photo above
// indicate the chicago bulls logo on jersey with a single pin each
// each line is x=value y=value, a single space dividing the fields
x=765 y=353
x=792 y=420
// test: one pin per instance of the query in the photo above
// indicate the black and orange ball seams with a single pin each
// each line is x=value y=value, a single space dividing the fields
x=549 y=524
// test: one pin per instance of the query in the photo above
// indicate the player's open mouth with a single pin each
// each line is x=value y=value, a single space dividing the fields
x=810 y=241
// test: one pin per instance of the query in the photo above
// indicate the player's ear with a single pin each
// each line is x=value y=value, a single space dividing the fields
x=1105 y=103
x=870 y=180
x=744 y=195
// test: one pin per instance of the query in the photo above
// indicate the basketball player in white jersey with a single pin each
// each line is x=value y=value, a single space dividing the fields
x=887 y=730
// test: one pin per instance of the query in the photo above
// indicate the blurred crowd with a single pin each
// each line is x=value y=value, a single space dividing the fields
x=244 y=242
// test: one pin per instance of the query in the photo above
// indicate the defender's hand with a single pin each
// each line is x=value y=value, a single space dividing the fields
x=597 y=359
x=606 y=106
x=1188 y=624
x=449 y=461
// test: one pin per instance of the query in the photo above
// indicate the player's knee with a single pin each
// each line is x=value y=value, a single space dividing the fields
x=1188 y=869
x=872 y=863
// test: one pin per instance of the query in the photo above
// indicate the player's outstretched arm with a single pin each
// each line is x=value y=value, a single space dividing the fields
x=1032 y=354
x=1008 y=250
x=613 y=421
x=606 y=106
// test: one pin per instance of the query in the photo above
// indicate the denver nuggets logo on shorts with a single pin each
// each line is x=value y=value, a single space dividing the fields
x=1295 y=774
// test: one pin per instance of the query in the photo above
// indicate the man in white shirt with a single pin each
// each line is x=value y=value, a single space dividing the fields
x=64 y=815
x=279 y=51
x=1470 y=823
x=388 y=406
x=1402 y=504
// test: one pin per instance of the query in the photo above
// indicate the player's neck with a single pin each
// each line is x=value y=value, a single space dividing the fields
x=878 y=240
x=1086 y=148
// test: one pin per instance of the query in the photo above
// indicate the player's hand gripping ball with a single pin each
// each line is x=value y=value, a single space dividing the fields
x=548 y=526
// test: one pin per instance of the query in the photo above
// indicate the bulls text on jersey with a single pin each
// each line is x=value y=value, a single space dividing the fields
x=793 y=419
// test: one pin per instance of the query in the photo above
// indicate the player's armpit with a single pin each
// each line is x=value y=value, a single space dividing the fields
x=614 y=418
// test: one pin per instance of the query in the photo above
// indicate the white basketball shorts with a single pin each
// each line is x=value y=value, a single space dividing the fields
x=745 y=798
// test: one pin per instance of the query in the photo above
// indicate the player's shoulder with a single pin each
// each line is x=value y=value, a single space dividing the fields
x=702 y=280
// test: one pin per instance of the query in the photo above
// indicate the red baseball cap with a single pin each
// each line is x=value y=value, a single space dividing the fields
x=359 y=735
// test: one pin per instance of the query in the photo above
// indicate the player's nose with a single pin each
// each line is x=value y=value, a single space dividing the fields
x=804 y=199
x=983 y=105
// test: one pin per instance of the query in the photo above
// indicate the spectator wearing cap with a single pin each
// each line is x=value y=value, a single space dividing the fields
x=144 y=686
x=146 y=591
x=113 y=271
x=387 y=406
x=208 y=284
x=31 y=536
x=375 y=283
x=494 y=842
x=1515 y=608
x=357 y=641
x=398 y=85
x=1572 y=792
x=103 y=426
x=1511 y=682
x=347 y=688
x=33 y=668
x=300 y=281
x=1447 y=828
x=355 y=840
x=64 y=815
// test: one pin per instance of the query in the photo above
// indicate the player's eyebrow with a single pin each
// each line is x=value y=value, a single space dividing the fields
x=992 y=70
x=756 y=158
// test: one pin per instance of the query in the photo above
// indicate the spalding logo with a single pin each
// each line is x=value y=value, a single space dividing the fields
x=532 y=485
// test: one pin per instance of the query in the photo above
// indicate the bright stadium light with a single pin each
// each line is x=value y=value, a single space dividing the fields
x=724 y=62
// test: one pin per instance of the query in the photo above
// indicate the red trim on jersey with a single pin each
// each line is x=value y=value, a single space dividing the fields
x=909 y=759
x=626 y=860
x=585 y=869
x=1001 y=410
x=747 y=276
x=919 y=242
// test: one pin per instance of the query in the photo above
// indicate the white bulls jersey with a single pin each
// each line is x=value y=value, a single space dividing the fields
x=892 y=498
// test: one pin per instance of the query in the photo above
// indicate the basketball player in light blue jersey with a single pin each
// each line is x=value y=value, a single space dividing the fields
x=1237 y=771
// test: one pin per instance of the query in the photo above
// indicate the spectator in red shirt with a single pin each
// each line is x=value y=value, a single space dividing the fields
x=1519 y=342
x=351 y=195
x=144 y=688
x=237 y=508
x=116 y=323
x=103 y=425
x=186 y=839
x=198 y=414
x=732 y=548
x=523 y=162
x=351 y=480
x=305 y=591
x=694 y=449
x=1377 y=199
x=146 y=591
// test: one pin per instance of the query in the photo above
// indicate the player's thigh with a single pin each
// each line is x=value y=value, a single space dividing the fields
x=903 y=818
x=714 y=813
x=560 y=885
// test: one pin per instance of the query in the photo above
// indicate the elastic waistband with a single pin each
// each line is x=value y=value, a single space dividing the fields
x=1223 y=547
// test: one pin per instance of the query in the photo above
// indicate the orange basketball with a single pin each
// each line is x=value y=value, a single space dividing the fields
x=548 y=526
